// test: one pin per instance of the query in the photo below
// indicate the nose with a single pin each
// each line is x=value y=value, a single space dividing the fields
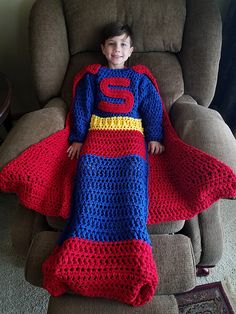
x=117 y=48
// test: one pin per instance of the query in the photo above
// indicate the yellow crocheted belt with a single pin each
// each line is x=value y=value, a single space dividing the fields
x=115 y=123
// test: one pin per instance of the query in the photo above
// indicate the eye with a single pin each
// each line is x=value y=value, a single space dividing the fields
x=125 y=45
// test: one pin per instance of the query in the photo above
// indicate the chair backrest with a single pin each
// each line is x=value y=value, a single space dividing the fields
x=178 y=40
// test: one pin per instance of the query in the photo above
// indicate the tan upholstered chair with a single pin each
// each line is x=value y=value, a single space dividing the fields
x=180 y=42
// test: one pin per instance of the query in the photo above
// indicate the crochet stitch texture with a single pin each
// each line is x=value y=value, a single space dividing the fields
x=109 y=209
x=105 y=248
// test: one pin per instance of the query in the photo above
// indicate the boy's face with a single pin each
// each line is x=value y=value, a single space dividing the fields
x=117 y=50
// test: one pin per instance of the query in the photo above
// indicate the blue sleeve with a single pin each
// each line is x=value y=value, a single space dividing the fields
x=150 y=108
x=82 y=109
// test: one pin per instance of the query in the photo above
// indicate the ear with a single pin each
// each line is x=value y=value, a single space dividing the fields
x=102 y=48
x=131 y=51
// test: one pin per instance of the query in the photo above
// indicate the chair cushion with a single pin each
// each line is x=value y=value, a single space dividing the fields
x=159 y=24
x=83 y=305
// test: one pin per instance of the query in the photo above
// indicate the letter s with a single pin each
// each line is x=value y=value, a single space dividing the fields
x=116 y=93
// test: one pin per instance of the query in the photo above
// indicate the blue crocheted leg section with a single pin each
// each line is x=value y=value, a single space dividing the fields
x=110 y=200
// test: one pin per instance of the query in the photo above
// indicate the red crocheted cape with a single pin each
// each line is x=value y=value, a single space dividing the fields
x=183 y=181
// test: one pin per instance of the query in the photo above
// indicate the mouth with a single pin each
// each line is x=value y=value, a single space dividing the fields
x=116 y=57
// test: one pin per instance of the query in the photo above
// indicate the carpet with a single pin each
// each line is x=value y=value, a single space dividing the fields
x=17 y=296
x=225 y=270
x=205 y=299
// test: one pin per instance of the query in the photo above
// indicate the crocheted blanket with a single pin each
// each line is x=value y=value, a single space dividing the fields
x=105 y=249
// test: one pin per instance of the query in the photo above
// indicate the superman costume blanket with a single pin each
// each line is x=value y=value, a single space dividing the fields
x=116 y=188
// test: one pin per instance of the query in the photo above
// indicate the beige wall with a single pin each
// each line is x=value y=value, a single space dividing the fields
x=14 y=57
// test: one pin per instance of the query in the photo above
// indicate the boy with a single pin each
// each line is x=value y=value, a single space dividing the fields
x=116 y=112
x=117 y=47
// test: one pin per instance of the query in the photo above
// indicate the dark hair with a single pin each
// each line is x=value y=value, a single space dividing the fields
x=116 y=29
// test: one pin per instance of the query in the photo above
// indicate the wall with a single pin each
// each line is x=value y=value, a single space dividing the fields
x=14 y=57
x=223 y=6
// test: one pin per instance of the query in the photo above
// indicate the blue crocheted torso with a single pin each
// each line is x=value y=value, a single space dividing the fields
x=110 y=199
x=146 y=101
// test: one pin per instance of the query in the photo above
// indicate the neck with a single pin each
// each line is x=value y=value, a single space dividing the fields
x=116 y=67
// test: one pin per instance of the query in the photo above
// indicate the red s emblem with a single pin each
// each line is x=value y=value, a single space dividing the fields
x=116 y=93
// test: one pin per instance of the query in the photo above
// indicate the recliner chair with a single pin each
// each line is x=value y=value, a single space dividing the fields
x=180 y=42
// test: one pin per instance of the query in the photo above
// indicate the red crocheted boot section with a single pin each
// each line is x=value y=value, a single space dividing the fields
x=122 y=270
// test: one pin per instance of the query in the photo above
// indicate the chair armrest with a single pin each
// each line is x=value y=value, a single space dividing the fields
x=205 y=129
x=48 y=47
x=201 y=46
x=205 y=232
x=32 y=128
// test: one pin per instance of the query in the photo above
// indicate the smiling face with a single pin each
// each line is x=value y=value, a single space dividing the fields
x=117 y=50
